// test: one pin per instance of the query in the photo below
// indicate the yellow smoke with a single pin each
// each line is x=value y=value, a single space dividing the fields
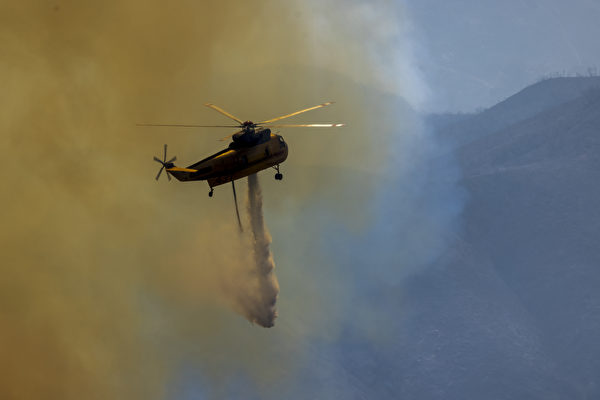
x=109 y=277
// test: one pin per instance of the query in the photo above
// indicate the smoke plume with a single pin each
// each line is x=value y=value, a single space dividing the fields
x=115 y=286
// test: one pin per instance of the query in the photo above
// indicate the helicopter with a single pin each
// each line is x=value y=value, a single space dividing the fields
x=253 y=148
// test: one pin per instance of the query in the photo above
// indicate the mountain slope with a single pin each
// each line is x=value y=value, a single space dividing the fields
x=533 y=211
x=529 y=102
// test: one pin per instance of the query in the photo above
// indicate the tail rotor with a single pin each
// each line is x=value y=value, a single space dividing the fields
x=164 y=163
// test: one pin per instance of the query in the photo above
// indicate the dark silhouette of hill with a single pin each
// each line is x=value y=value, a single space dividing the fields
x=511 y=308
x=525 y=270
x=530 y=101
x=567 y=133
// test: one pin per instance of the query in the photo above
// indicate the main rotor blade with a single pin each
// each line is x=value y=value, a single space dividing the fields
x=229 y=136
x=219 y=109
x=165 y=157
x=158 y=160
x=295 y=113
x=305 y=126
x=191 y=126
x=171 y=160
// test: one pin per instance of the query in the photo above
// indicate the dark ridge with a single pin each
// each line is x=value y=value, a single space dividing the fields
x=525 y=104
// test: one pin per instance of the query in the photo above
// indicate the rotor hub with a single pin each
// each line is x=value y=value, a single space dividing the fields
x=248 y=127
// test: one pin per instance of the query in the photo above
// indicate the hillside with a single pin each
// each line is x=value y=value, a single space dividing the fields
x=531 y=167
x=511 y=308
x=529 y=102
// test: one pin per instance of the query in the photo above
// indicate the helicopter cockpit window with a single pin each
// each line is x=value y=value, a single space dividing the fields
x=281 y=142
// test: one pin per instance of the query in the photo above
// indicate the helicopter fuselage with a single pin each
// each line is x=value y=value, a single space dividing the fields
x=248 y=153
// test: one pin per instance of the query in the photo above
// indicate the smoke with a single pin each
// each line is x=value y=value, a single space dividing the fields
x=115 y=286
x=257 y=303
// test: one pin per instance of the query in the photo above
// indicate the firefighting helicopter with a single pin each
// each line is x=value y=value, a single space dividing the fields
x=253 y=148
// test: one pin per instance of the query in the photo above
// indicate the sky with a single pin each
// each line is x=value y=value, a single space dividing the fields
x=474 y=54
x=116 y=286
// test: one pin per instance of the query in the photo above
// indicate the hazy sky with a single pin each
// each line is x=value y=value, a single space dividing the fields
x=475 y=53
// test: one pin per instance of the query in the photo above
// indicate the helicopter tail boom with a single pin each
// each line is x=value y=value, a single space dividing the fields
x=182 y=174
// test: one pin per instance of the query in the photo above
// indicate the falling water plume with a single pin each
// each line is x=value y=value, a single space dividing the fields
x=261 y=307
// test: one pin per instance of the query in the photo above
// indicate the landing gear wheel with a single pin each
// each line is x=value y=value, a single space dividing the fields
x=278 y=176
x=210 y=194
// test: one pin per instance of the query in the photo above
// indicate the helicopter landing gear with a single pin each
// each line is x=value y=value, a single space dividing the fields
x=210 y=194
x=278 y=175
